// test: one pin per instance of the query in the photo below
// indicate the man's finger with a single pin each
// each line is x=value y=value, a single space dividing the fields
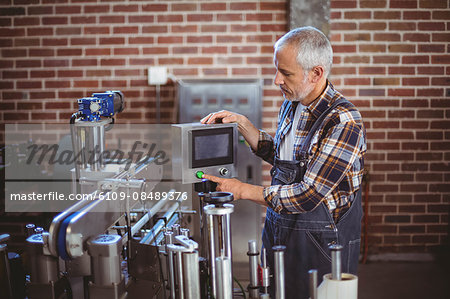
x=212 y=178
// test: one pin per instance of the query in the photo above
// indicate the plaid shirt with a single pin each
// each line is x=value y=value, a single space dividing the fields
x=336 y=157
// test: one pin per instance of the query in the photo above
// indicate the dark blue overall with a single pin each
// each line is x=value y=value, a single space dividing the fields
x=307 y=236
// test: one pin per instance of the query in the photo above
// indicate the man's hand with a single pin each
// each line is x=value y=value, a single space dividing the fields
x=245 y=127
x=240 y=190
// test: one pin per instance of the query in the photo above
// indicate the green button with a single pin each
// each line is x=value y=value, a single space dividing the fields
x=199 y=174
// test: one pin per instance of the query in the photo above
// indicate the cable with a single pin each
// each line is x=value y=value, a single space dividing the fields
x=242 y=289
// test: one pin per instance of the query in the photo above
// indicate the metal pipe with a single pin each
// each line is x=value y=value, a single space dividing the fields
x=265 y=271
x=212 y=253
x=224 y=278
x=278 y=252
x=336 y=266
x=253 y=253
x=179 y=267
x=312 y=284
x=29 y=229
x=184 y=232
x=191 y=275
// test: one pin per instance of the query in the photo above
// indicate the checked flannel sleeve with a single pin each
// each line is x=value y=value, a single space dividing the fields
x=338 y=159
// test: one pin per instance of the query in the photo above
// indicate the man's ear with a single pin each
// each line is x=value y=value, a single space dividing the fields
x=316 y=74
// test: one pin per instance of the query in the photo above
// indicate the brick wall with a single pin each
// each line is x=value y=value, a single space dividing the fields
x=391 y=60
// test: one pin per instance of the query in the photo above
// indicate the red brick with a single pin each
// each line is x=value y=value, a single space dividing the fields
x=431 y=26
x=169 y=18
x=118 y=19
x=40 y=10
x=416 y=59
x=96 y=8
x=387 y=15
x=344 y=48
x=183 y=7
x=401 y=92
x=96 y=30
x=98 y=73
x=440 y=59
x=373 y=48
x=438 y=92
x=42 y=95
x=97 y=51
x=403 y=4
x=84 y=62
x=213 y=6
x=156 y=50
x=185 y=50
x=112 y=41
x=73 y=9
x=402 y=26
x=433 y=3
x=372 y=4
x=126 y=51
x=356 y=59
x=245 y=71
x=386 y=125
x=386 y=103
x=416 y=81
x=126 y=8
x=186 y=28
x=69 y=52
x=372 y=70
x=55 y=20
x=82 y=20
x=402 y=70
x=414 y=124
x=343 y=4
x=356 y=37
x=229 y=39
x=213 y=28
x=199 y=17
x=112 y=62
x=259 y=17
x=214 y=71
x=372 y=26
x=416 y=37
x=364 y=15
x=141 y=40
x=386 y=59
x=82 y=41
x=272 y=6
x=246 y=6
x=415 y=103
x=338 y=26
x=56 y=62
x=416 y=15
x=154 y=7
x=386 y=81
x=214 y=50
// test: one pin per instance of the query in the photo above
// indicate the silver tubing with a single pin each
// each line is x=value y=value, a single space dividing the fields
x=312 y=284
x=224 y=278
x=171 y=275
x=218 y=221
x=184 y=232
x=179 y=267
x=253 y=269
x=336 y=266
x=102 y=146
x=278 y=252
x=265 y=271
x=29 y=228
x=176 y=229
x=191 y=274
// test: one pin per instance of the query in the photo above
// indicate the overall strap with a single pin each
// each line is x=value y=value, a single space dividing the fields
x=317 y=124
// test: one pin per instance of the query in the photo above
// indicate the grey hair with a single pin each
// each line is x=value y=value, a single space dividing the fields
x=313 y=48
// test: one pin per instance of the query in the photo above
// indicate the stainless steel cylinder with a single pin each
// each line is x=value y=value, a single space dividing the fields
x=312 y=284
x=278 y=252
x=43 y=268
x=219 y=238
x=38 y=230
x=224 y=278
x=184 y=232
x=265 y=271
x=336 y=266
x=29 y=229
x=253 y=254
x=179 y=278
x=191 y=273
x=105 y=256
x=176 y=229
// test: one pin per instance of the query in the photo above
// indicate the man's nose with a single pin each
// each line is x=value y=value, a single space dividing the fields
x=278 y=80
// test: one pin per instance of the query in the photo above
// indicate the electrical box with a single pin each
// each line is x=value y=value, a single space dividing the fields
x=157 y=75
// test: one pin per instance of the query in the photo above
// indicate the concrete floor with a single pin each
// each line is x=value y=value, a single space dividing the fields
x=398 y=280
x=391 y=280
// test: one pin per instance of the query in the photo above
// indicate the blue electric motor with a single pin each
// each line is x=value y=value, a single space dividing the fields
x=104 y=104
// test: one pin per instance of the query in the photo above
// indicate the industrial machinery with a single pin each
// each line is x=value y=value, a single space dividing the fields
x=115 y=245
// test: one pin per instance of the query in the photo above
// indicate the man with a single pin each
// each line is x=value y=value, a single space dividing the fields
x=314 y=200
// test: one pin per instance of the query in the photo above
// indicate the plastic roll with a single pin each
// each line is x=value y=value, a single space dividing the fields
x=346 y=288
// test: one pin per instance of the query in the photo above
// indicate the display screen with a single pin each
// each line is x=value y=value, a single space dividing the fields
x=212 y=147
